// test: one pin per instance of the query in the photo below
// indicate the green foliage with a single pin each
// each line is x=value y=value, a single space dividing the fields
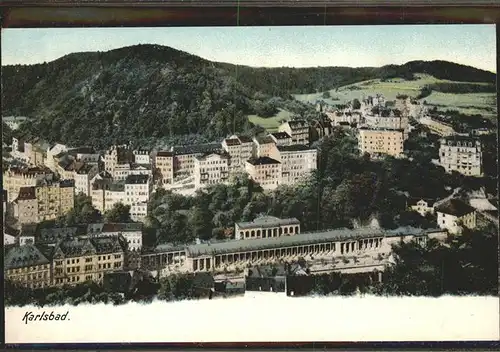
x=356 y=104
x=462 y=88
x=425 y=92
x=120 y=213
x=83 y=212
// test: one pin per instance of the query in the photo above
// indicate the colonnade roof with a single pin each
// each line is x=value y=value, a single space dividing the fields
x=235 y=246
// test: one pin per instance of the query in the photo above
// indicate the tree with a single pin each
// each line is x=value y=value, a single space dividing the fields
x=83 y=212
x=120 y=213
x=326 y=95
x=356 y=104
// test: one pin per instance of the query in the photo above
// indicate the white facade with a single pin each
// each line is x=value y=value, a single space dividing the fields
x=142 y=157
x=210 y=170
x=462 y=155
x=454 y=223
x=296 y=161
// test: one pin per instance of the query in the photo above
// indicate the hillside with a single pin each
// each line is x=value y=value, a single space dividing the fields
x=148 y=92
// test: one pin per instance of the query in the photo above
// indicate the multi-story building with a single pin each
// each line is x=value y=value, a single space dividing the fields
x=297 y=129
x=164 y=164
x=27 y=265
x=142 y=156
x=117 y=155
x=134 y=191
x=265 y=171
x=423 y=206
x=263 y=146
x=14 y=121
x=184 y=157
x=454 y=214
x=35 y=151
x=394 y=121
x=211 y=169
x=54 y=198
x=86 y=155
x=297 y=161
x=131 y=232
x=378 y=142
x=281 y=138
x=15 y=178
x=82 y=176
x=440 y=128
x=26 y=206
x=52 y=151
x=83 y=259
x=461 y=154
x=266 y=226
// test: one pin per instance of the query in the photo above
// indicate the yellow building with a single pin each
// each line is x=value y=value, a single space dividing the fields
x=28 y=266
x=87 y=259
x=265 y=171
x=54 y=198
x=164 y=162
x=377 y=142
x=15 y=178
x=26 y=206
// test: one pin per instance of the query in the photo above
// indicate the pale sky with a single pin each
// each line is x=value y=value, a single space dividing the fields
x=297 y=46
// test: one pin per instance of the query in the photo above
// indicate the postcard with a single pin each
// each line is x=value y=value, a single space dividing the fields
x=250 y=184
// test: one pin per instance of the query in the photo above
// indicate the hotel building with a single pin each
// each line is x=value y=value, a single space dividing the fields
x=461 y=154
x=378 y=142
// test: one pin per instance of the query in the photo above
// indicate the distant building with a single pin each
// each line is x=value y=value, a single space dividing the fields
x=265 y=171
x=297 y=129
x=184 y=157
x=86 y=259
x=266 y=226
x=131 y=232
x=454 y=214
x=422 y=206
x=28 y=266
x=281 y=138
x=211 y=169
x=164 y=163
x=440 y=128
x=378 y=142
x=26 y=206
x=461 y=154
x=14 y=178
x=240 y=149
x=14 y=121
x=263 y=146
x=297 y=162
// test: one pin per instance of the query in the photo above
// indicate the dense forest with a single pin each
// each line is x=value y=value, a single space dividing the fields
x=145 y=93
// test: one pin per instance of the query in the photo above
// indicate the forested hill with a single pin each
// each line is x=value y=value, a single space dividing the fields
x=151 y=91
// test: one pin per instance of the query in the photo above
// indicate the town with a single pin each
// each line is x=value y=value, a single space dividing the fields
x=43 y=181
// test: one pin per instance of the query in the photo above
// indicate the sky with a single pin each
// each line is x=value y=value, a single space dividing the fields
x=297 y=46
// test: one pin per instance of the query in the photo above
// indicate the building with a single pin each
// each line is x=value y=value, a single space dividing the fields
x=454 y=214
x=461 y=154
x=86 y=259
x=263 y=147
x=164 y=164
x=28 y=266
x=297 y=129
x=239 y=149
x=35 y=151
x=297 y=161
x=281 y=138
x=142 y=156
x=184 y=157
x=82 y=176
x=53 y=151
x=54 y=198
x=26 y=206
x=228 y=256
x=378 y=142
x=133 y=191
x=421 y=205
x=440 y=128
x=265 y=171
x=14 y=121
x=131 y=233
x=211 y=169
x=266 y=226
x=393 y=121
x=14 y=178
x=86 y=155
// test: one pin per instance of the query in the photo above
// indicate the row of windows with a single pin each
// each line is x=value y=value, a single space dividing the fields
x=32 y=268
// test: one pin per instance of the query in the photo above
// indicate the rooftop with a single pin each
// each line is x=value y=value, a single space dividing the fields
x=297 y=124
x=137 y=179
x=206 y=155
x=245 y=139
x=455 y=207
x=24 y=256
x=164 y=153
x=26 y=193
x=263 y=160
x=280 y=135
x=267 y=221
x=196 y=148
x=294 y=148
x=81 y=150
x=121 y=227
x=232 y=141
x=264 y=140
x=234 y=246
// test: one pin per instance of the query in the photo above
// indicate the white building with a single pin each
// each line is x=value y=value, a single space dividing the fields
x=14 y=121
x=461 y=154
x=82 y=177
x=52 y=151
x=297 y=162
x=454 y=214
x=265 y=171
x=266 y=227
x=142 y=156
x=281 y=138
x=131 y=232
x=211 y=169
x=422 y=206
